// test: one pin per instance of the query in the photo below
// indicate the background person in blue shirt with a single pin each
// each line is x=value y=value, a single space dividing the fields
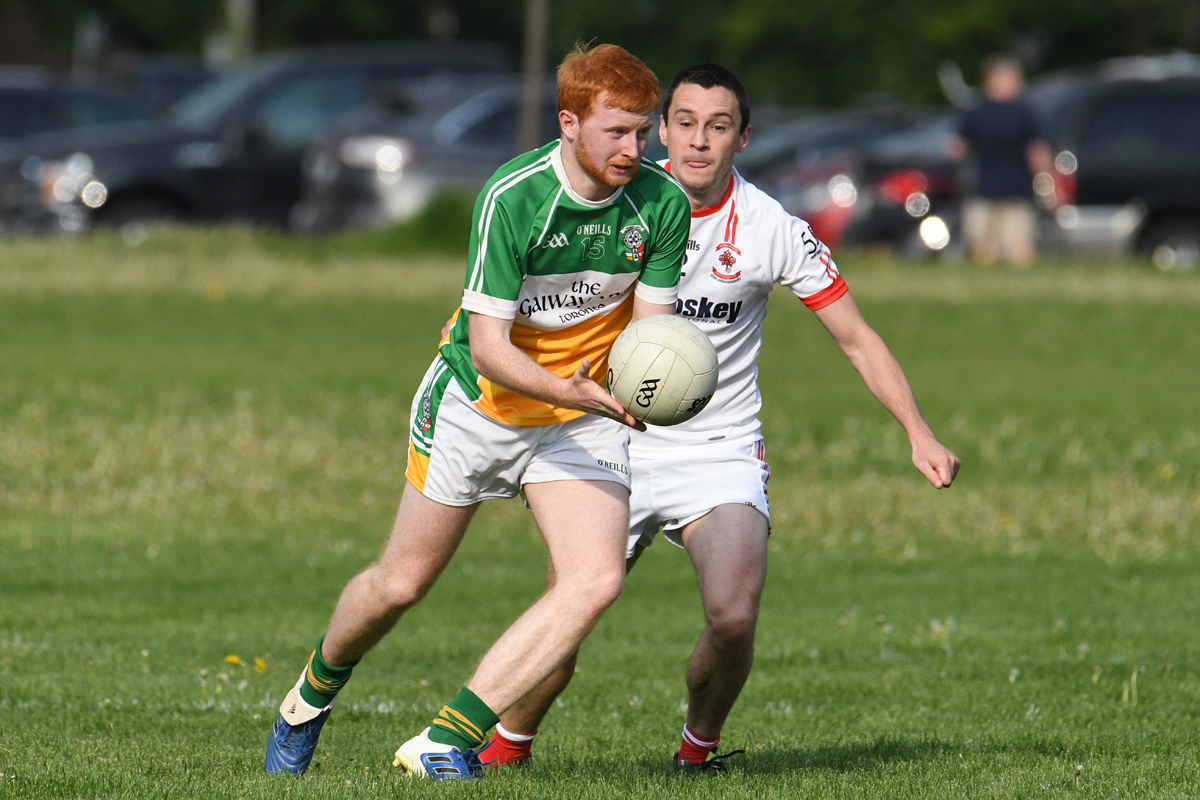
x=1002 y=135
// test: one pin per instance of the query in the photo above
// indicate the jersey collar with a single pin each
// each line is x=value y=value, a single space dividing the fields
x=704 y=212
x=561 y=173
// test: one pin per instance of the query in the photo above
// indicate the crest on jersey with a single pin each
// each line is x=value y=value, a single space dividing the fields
x=726 y=271
x=633 y=238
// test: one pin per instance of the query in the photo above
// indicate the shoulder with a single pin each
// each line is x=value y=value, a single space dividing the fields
x=530 y=172
x=657 y=187
x=759 y=208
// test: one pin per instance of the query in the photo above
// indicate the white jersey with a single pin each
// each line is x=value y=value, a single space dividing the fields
x=737 y=251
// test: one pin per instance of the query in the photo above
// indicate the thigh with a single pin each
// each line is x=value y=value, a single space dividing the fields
x=424 y=537
x=1017 y=225
x=585 y=525
x=975 y=215
x=728 y=547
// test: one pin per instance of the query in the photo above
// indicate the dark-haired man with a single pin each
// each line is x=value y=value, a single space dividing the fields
x=705 y=481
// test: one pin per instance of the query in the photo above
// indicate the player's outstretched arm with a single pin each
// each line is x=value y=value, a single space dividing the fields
x=884 y=377
x=498 y=360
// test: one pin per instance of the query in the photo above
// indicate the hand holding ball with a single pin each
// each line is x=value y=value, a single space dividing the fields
x=663 y=369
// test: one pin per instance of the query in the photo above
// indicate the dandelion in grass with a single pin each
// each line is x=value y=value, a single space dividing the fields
x=204 y=679
x=1096 y=673
x=234 y=659
x=1013 y=674
x=260 y=666
x=1078 y=772
x=1082 y=650
x=222 y=679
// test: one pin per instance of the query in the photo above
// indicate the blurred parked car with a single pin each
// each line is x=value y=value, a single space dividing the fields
x=389 y=167
x=862 y=180
x=1127 y=169
x=230 y=149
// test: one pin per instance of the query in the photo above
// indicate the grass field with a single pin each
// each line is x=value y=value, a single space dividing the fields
x=203 y=437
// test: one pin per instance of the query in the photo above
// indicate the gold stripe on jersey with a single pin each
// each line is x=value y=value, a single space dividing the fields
x=561 y=352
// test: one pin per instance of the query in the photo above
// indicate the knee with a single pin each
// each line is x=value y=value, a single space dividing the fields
x=597 y=591
x=402 y=591
x=732 y=628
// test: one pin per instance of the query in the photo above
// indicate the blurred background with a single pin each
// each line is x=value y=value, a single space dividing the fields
x=316 y=118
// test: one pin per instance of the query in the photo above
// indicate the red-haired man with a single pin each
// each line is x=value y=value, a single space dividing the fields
x=511 y=405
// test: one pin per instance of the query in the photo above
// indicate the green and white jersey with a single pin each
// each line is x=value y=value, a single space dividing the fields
x=565 y=270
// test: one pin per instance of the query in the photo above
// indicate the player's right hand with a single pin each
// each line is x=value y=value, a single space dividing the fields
x=587 y=395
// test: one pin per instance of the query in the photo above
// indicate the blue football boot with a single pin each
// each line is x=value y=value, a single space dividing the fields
x=422 y=757
x=294 y=735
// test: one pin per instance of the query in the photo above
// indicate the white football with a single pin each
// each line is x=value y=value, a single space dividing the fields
x=663 y=369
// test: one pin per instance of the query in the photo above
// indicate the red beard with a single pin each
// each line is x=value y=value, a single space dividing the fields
x=599 y=171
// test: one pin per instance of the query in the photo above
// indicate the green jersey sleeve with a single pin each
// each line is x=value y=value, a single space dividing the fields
x=669 y=206
x=494 y=271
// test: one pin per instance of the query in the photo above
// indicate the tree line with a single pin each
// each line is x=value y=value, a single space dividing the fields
x=807 y=52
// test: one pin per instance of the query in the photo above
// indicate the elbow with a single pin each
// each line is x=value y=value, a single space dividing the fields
x=479 y=363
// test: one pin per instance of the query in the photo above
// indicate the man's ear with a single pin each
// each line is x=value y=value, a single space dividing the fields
x=745 y=140
x=662 y=129
x=568 y=123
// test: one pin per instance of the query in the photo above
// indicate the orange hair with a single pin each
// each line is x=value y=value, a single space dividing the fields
x=587 y=73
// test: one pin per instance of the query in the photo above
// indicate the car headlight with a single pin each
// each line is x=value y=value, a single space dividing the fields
x=935 y=233
x=842 y=191
x=383 y=154
x=64 y=181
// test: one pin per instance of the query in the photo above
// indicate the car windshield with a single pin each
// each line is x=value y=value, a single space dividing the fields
x=204 y=107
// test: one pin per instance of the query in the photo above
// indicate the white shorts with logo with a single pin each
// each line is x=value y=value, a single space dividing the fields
x=458 y=456
x=674 y=485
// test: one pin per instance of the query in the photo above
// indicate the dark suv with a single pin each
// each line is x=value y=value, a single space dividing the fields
x=1128 y=161
x=233 y=147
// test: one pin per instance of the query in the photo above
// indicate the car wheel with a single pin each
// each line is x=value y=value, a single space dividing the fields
x=1174 y=244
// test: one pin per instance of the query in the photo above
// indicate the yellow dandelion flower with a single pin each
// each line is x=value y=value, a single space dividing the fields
x=233 y=659
x=260 y=666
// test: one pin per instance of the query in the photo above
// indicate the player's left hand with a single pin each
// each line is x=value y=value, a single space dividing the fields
x=935 y=462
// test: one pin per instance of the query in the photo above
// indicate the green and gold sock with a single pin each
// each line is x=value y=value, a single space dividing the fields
x=321 y=681
x=464 y=722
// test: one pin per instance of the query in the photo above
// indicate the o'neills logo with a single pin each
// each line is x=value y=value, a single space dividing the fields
x=614 y=466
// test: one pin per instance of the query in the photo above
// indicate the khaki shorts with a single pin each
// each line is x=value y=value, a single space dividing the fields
x=677 y=486
x=458 y=456
x=999 y=227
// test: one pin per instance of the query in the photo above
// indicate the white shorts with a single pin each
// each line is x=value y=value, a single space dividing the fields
x=678 y=485
x=458 y=456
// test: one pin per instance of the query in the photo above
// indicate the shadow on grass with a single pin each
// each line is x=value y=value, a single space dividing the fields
x=866 y=755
